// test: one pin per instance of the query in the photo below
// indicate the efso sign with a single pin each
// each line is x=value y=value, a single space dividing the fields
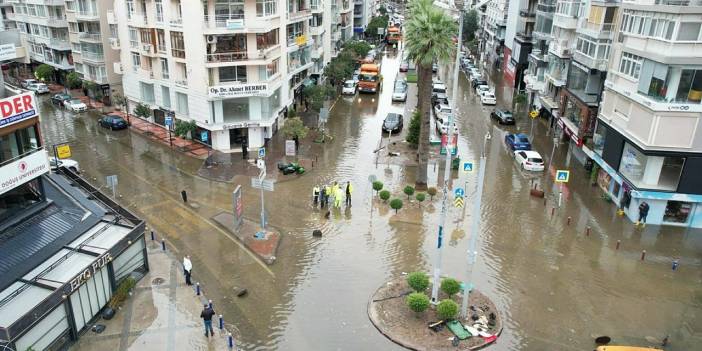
x=17 y=108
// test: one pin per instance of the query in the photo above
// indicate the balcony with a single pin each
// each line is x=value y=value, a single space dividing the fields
x=111 y=19
x=319 y=30
x=546 y=8
x=501 y=22
x=138 y=19
x=597 y=30
x=176 y=22
x=228 y=22
x=87 y=16
x=45 y=2
x=145 y=73
x=93 y=57
x=59 y=44
x=299 y=15
x=560 y=47
x=297 y=40
x=564 y=21
x=590 y=62
x=317 y=51
x=58 y=22
x=227 y=57
x=146 y=49
x=524 y=37
x=181 y=83
x=95 y=78
x=114 y=43
x=90 y=37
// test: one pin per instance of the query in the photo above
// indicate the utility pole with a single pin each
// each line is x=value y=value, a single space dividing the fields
x=447 y=170
x=475 y=227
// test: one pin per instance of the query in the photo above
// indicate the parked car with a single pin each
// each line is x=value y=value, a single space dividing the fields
x=58 y=99
x=66 y=162
x=27 y=82
x=75 y=105
x=480 y=89
x=502 y=116
x=39 y=88
x=349 y=87
x=488 y=98
x=438 y=88
x=439 y=98
x=529 y=160
x=404 y=66
x=399 y=93
x=478 y=81
x=441 y=111
x=392 y=123
x=113 y=122
x=517 y=142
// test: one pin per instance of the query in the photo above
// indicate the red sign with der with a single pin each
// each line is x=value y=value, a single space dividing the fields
x=17 y=108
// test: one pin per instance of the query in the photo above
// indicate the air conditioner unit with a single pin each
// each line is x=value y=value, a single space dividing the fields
x=211 y=39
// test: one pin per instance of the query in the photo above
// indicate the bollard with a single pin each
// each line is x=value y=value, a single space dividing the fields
x=163 y=244
x=553 y=210
x=643 y=255
x=675 y=265
x=230 y=340
x=184 y=195
x=152 y=236
x=221 y=322
x=197 y=288
x=568 y=223
x=619 y=242
x=210 y=301
x=587 y=231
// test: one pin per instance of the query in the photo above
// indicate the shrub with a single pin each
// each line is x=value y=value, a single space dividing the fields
x=396 y=204
x=420 y=197
x=431 y=191
x=385 y=195
x=417 y=302
x=122 y=292
x=414 y=129
x=73 y=80
x=418 y=281
x=295 y=128
x=450 y=286
x=143 y=111
x=447 y=310
x=183 y=127
x=377 y=186
x=409 y=191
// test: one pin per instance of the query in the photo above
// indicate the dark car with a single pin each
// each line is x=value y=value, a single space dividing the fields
x=478 y=82
x=502 y=116
x=113 y=122
x=439 y=98
x=58 y=99
x=392 y=123
x=517 y=142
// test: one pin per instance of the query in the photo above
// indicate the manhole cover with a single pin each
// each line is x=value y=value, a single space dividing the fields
x=157 y=281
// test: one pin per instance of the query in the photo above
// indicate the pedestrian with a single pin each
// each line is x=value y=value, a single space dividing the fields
x=337 y=197
x=327 y=194
x=244 y=150
x=187 y=269
x=349 y=190
x=315 y=194
x=643 y=212
x=206 y=315
x=322 y=196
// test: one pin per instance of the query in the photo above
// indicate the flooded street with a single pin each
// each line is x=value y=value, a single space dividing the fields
x=556 y=287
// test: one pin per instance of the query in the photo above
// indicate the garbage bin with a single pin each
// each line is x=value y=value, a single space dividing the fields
x=455 y=163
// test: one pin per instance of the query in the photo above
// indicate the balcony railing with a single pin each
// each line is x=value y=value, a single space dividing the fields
x=87 y=15
x=93 y=56
x=179 y=53
x=181 y=82
x=299 y=14
x=59 y=44
x=176 y=22
x=89 y=36
x=546 y=7
x=231 y=21
x=227 y=57
x=95 y=78
x=56 y=21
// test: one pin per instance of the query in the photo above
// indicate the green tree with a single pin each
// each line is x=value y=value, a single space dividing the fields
x=447 y=310
x=420 y=198
x=183 y=127
x=418 y=281
x=450 y=286
x=414 y=129
x=382 y=10
x=519 y=100
x=73 y=80
x=429 y=32
x=384 y=195
x=143 y=111
x=340 y=68
x=377 y=186
x=470 y=25
x=44 y=72
x=375 y=23
x=357 y=47
x=409 y=191
x=417 y=302
x=431 y=191
x=295 y=128
x=396 y=204
x=316 y=95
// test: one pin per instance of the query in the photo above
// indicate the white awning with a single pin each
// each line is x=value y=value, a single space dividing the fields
x=26 y=298
x=100 y=237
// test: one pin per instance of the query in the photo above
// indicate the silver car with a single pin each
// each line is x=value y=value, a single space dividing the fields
x=39 y=88
x=399 y=93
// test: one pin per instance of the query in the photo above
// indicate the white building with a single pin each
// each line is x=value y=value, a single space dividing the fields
x=647 y=138
x=233 y=68
x=7 y=16
x=494 y=26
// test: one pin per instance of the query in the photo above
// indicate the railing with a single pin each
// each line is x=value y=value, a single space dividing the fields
x=146 y=48
x=161 y=48
x=179 y=53
x=178 y=22
x=93 y=56
x=227 y=57
x=679 y=2
x=89 y=36
x=56 y=21
x=87 y=14
x=59 y=43
x=299 y=14
x=221 y=21
x=525 y=36
x=544 y=7
x=114 y=42
x=94 y=78
x=182 y=82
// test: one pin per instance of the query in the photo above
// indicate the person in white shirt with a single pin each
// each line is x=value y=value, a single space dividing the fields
x=188 y=269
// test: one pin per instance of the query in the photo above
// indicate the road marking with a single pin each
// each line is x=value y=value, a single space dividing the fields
x=206 y=220
x=334 y=104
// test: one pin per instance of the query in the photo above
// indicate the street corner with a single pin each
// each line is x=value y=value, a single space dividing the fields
x=262 y=243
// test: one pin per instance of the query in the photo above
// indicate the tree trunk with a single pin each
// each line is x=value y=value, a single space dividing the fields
x=424 y=104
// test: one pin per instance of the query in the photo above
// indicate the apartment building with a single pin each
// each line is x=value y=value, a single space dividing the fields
x=647 y=140
x=44 y=32
x=494 y=23
x=233 y=68
x=519 y=40
x=93 y=54
x=538 y=59
x=7 y=16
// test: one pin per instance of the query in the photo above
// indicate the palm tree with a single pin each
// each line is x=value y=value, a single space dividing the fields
x=429 y=37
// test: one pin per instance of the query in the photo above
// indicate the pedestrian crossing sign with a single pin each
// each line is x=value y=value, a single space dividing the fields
x=562 y=176
x=467 y=167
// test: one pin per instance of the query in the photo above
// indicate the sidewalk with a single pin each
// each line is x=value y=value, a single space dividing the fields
x=161 y=314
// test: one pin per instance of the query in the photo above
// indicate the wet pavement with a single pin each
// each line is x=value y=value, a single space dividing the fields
x=555 y=286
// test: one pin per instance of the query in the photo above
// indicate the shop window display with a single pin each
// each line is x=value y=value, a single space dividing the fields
x=677 y=212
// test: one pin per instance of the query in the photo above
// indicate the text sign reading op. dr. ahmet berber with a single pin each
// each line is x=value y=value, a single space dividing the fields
x=238 y=90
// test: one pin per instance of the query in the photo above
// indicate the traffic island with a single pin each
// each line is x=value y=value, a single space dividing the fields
x=263 y=244
x=390 y=314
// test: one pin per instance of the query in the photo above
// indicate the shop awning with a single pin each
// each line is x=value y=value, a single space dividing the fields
x=17 y=300
x=100 y=238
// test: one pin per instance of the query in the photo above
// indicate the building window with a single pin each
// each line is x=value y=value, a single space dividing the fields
x=232 y=74
x=572 y=111
x=165 y=97
x=689 y=31
x=159 y=11
x=598 y=138
x=18 y=143
x=690 y=86
x=650 y=172
x=268 y=71
x=136 y=61
x=653 y=80
x=133 y=38
x=147 y=93
x=164 y=68
x=267 y=40
x=677 y=212
x=630 y=65
x=181 y=103
x=20 y=198
x=265 y=8
x=177 y=45
x=228 y=9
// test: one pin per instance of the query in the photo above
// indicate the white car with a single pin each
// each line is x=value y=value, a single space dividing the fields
x=488 y=98
x=349 y=88
x=441 y=111
x=481 y=89
x=66 y=162
x=75 y=105
x=27 y=82
x=399 y=93
x=39 y=88
x=529 y=160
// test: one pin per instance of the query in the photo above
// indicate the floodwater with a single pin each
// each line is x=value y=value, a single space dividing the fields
x=556 y=287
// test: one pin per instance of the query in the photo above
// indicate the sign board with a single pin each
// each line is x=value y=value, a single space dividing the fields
x=301 y=40
x=23 y=170
x=260 y=163
x=459 y=192
x=562 y=176
x=467 y=167
x=290 y=148
x=238 y=207
x=17 y=108
x=204 y=136
x=265 y=184
x=533 y=114
x=262 y=152
x=454 y=144
x=458 y=202
x=239 y=90
x=235 y=24
x=63 y=151
x=169 y=121
x=90 y=271
x=381 y=31
x=323 y=114
x=8 y=52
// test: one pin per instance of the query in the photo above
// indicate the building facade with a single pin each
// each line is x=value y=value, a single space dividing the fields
x=519 y=40
x=538 y=59
x=494 y=24
x=647 y=139
x=7 y=16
